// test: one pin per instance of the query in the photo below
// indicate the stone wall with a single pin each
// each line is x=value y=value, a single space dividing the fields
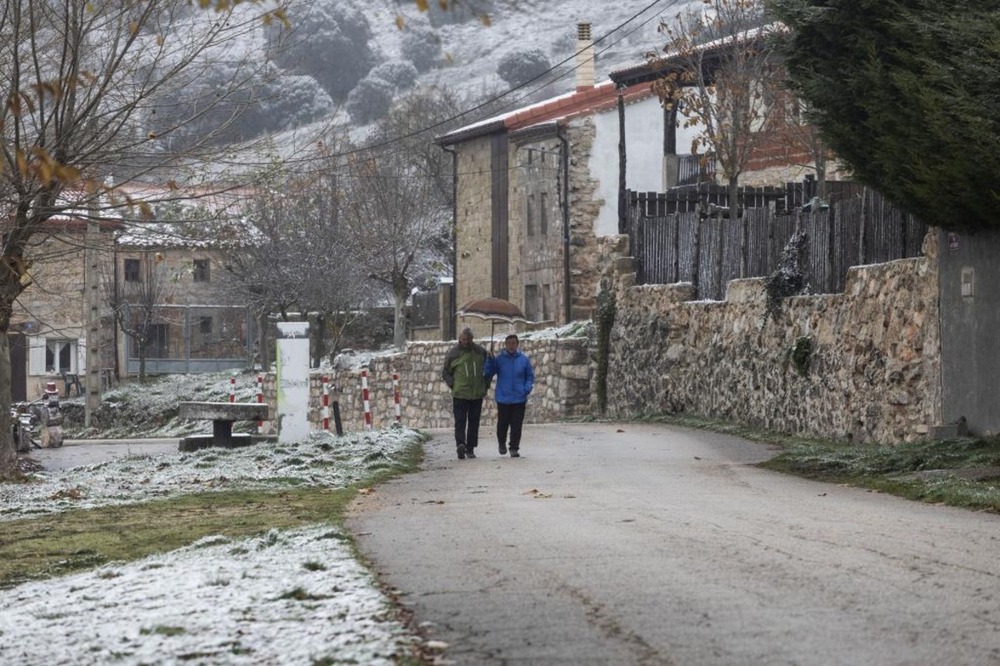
x=585 y=206
x=562 y=387
x=862 y=366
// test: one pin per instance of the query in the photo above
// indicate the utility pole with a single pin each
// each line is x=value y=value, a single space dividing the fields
x=92 y=308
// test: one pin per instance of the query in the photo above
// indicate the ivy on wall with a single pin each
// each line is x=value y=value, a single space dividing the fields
x=605 y=315
x=788 y=279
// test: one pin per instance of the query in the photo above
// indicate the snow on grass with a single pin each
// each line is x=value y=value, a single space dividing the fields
x=295 y=597
x=322 y=460
x=292 y=597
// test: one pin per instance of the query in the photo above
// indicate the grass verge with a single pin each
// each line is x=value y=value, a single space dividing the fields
x=53 y=545
x=962 y=472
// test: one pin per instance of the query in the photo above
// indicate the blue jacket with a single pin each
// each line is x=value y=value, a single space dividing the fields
x=515 y=378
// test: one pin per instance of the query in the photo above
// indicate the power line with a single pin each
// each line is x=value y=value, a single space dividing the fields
x=496 y=98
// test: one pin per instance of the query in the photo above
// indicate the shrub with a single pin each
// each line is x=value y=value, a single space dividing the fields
x=519 y=67
x=421 y=47
x=401 y=75
x=369 y=101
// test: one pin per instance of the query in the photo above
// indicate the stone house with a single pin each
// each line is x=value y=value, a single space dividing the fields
x=540 y=188
x=74 y=267
x=194 y=327
x=49 y=321
x=533 y=189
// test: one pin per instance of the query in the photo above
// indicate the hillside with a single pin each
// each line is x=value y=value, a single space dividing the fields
x=345 y=61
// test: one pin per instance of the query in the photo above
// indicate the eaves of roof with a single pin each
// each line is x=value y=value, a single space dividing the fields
x=469 y=132
x=583 y=101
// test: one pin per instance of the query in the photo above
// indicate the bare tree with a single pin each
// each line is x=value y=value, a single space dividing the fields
x=134 y=301
x=82 y=85
x=395 y=220
x=720 y=76
x=295 y=257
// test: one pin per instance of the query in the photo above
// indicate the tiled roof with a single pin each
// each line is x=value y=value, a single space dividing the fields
x=582 y=101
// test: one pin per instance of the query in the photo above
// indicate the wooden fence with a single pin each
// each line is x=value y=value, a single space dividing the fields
x=860 y=227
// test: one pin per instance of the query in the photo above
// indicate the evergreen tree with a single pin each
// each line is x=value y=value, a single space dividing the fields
x=906 y=92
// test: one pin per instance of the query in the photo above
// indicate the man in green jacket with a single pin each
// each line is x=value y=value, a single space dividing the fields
x=463 y=373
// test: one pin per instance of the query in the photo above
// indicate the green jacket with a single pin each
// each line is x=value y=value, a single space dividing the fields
x=463 y=372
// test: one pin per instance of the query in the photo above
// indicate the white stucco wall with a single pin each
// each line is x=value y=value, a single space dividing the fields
x=644 y=151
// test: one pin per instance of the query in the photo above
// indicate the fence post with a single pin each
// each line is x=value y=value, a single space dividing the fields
x=232 y=389
x=395 y=399
x=260 y=400
x=365 y=401
x=696 y=258
x=326 y=403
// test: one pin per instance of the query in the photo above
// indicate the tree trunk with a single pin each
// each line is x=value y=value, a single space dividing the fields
x=734 y=214
x=12 y=268
x=8 y=455
x=400 y=290
x=263 y=348
x=142 y=362
x=319 y=348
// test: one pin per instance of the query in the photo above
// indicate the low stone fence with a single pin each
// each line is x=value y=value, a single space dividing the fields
x=862 y=366
x=562 y=387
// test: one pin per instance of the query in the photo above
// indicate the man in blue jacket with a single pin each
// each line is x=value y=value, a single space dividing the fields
x=515 y=379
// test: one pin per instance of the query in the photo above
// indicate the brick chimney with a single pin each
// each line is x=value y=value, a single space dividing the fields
x=584 y=57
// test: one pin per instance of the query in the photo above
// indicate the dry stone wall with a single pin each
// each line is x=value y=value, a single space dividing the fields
x=562 y=387
x=862 y=366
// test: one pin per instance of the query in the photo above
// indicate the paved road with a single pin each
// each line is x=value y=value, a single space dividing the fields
x=646 y=544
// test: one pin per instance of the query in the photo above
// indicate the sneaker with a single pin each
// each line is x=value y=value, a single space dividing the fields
x=514 y=453
x=503 y=449
x=461 y=453
x=471 y=453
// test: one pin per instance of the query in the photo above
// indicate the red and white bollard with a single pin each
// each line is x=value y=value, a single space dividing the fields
x=326 y=404
x=364 y=400
x=232 y=389
x=260 y=400
x=395 y=398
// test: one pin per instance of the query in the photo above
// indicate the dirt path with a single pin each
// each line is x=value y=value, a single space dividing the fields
x=643 y=544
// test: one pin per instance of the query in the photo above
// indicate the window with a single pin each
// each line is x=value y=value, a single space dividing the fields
x=547 y=302
x=205 y=327
x=60 y=356
x=49 y=356
x=201 y=270
x=159 y=341
x=543 y=214
x=531 y=302
x=530 y=215
x=132 y=271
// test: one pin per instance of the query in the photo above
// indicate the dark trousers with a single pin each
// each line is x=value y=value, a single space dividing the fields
x=467 y=413
x=512 y=417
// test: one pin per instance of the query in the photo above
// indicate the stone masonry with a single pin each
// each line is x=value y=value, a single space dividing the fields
x=862 y=366
x=562 y=387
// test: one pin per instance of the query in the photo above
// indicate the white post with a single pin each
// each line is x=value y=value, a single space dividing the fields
x=292 y=373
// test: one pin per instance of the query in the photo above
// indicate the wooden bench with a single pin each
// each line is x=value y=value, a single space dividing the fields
x=223 y=415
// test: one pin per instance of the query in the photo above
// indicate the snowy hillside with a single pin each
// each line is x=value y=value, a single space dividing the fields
x=359 y=60
x=473 y=51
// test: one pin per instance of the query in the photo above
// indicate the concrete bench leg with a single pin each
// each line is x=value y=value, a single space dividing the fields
x=222 y=433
